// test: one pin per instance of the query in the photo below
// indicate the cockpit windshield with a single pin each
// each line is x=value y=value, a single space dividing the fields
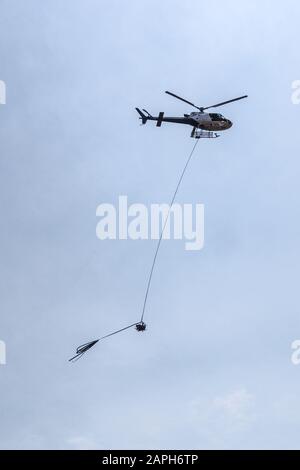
x=217 y=117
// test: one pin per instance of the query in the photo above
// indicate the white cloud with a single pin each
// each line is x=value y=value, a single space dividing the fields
x=223 y=422
x=237 y=406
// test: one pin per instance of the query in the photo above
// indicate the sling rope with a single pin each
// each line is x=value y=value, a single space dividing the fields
x=85 y=347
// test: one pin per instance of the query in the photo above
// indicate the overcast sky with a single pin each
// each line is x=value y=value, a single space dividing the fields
x=214 y=368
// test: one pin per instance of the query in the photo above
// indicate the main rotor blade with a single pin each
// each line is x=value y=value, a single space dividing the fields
x=225 y=102
x=182 y=99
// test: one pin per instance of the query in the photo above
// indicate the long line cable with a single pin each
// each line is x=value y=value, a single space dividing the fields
x=81 y=350
x=164 y=226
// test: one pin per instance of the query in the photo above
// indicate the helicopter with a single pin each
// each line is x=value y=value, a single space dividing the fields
x=205 y=125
